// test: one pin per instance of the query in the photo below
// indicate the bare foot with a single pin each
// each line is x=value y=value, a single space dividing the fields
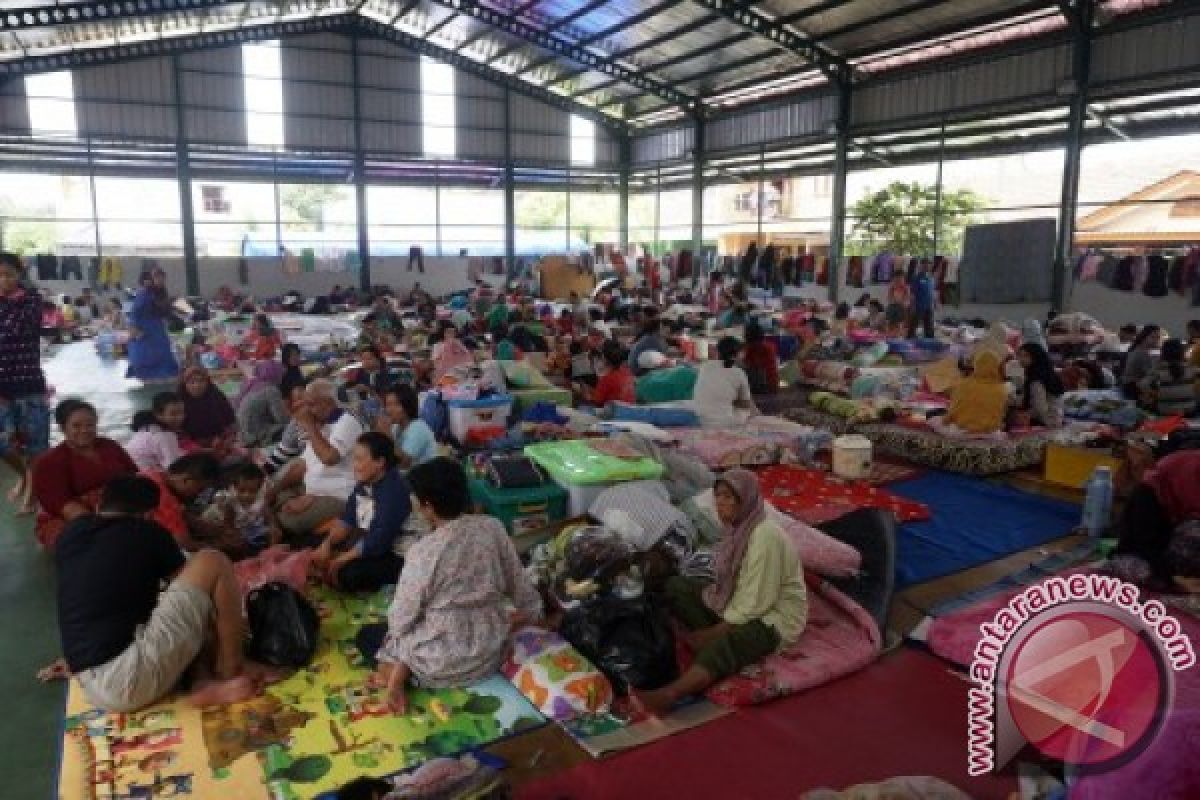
x=655 y=703
x=58 y=671
x=218 y=693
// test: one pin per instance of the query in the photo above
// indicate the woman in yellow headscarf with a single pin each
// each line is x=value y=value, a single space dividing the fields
x=980 y=402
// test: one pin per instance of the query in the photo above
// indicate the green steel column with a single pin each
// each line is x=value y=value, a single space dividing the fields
x=837 y=227
x=183 y=174
x=360 y=174
x=1081 y=73
x=510 y=197
x=698 y=195
x=623 y=193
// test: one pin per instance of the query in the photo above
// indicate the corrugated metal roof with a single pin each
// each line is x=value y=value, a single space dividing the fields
x=629 y=58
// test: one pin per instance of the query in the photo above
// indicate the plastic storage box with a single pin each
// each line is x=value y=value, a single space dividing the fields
x=523 y=511
x=465 y=414
x=1072 y=466
x=584 y=472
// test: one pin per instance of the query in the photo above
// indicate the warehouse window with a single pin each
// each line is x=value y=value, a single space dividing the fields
x=437 y=108
x=51 y=98
x=262 y=78
x=583 y=141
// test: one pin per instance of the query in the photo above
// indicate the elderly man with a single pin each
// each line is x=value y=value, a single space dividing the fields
x=313 y=489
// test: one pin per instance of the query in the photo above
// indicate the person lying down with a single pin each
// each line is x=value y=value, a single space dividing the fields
x=130 y=645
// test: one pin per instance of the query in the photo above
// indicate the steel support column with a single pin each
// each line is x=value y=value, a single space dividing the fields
x=510 y=194
x=697 y=197
x=1081 y=74
x=183 y=174
x=360 y=174
x=623 y=193
x=837 y=226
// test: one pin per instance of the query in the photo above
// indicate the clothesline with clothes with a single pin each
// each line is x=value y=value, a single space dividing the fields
x=1155 y=274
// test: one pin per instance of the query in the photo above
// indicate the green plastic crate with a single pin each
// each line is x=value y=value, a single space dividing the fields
x=523 y=511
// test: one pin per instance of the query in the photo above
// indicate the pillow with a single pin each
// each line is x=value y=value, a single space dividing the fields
x=552 y=675
x=655 y=415
x=818 y=551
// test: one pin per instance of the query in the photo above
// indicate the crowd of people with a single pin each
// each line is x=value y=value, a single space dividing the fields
x=341 y=468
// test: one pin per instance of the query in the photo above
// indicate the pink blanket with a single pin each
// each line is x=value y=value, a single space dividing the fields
x=840 y=638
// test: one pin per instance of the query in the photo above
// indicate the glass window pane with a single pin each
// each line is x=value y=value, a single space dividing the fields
x=51 y=102
x=437 y=108
x=596 y=217
x=234 y=218
x=401 y=217
x=262 y=70
x=46 y=214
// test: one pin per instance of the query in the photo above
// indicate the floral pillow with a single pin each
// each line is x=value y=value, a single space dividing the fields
x=552 y=675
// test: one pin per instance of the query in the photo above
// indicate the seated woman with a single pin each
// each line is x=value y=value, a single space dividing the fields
x=616 y=383
x=1042 y=391
x=415 y=442
x=980 y=402
x=261 y=413
x=209 y=421
x=154 y=445
x=649 y=340
x=263 y=341
x=757 y=605
x=1167 y=496
x=357 y=555
x=1170 y=388
x=68 y=478
x=372 y=376
x=722 y=394
x=291 y=359
x=449 y=623
x=761 y=360
x=1139 y=361
x=449 y=354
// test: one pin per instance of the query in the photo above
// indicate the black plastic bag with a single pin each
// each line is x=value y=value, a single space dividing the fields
x=283 y=626
x=629 y=640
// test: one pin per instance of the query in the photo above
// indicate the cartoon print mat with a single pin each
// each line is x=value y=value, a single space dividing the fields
x=311 y=733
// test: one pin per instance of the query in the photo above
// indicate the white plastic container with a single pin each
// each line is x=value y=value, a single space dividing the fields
x=485 y=412
x=852 y=456
x=580 y=497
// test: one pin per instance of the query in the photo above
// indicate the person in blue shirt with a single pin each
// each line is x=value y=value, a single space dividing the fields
x=651 y=340
x=357 y=554
x=415 y=442
x=923 y=302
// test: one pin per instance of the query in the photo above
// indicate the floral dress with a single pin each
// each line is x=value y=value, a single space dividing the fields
x=449 y=619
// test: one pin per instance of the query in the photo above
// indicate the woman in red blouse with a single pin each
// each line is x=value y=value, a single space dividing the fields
x=67 y=480
x=761 y=360
x=263 y=341
x=617 y=383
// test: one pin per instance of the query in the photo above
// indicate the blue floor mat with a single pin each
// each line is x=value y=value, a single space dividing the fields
x=974 y=522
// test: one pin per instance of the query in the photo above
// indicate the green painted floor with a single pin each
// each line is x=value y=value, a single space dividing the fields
x=32 y=713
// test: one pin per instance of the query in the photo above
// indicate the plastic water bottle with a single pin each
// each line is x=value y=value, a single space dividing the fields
x=1097 y=504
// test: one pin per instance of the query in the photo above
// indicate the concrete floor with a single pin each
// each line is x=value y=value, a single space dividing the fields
x=31 y=735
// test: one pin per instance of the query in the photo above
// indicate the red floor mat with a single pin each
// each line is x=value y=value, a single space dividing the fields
x=815 y=496
x=904 y=715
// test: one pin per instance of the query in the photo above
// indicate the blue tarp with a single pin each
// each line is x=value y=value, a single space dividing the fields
x=974 y=521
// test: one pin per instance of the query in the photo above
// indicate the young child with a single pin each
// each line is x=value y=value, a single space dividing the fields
x=243 y=504
x=154 y=445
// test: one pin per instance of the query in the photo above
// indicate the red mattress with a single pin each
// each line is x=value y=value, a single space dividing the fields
x=815 y=496
x=904 y=715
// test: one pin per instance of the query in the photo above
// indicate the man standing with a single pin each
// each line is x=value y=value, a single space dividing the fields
x=923 y=302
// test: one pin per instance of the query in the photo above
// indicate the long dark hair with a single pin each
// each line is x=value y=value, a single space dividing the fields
x=1144 y=334
x=1040 y=370
x=1172 y=355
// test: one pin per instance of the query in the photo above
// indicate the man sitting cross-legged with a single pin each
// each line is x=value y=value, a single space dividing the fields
x=128 y=639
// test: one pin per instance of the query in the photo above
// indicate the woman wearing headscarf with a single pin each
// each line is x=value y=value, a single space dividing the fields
x=209 y=421
x=150 y=355
x=261 y=412
x=1031 y=333
x=979 y=403
x=450 y=353
x=1042 y=391
x=1140 y=361
x=757 y=605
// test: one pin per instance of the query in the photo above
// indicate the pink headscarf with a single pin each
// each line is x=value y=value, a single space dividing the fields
x=453 y=354
x=736 y=537
x=266 y=373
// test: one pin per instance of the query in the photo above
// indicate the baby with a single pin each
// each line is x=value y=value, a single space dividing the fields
x=243 y=505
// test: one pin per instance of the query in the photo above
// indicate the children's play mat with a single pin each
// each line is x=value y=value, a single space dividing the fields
x=308 y=734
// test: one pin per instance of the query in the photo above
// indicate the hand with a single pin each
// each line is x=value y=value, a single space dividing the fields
x=305 y=419
x=298 y=505
x=397 y=697
x=382 y=674
x=58 y=671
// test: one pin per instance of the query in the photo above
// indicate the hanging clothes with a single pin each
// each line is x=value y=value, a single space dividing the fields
x=1141 y=271
x=93 y=272
x=1106 y=273
x=1123 y=275
x=47 y=266
x=1155 y=284
x=112 y=273
x=854 y=272
x=823 y=273
x=72 y=266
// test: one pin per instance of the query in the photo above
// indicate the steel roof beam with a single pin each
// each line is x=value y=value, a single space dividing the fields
x=625 y=24
x=950 y=29
x=569 y=49
x=778 y=33
x=484 y=30
x=54 y=15
x=886 y=16
x=118 y=53
x=448 y=56
x=819 y=8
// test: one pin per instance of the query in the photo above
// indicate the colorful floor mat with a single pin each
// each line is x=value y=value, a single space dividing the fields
x=814 y=496
x=974 y=521
x=313 y=732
